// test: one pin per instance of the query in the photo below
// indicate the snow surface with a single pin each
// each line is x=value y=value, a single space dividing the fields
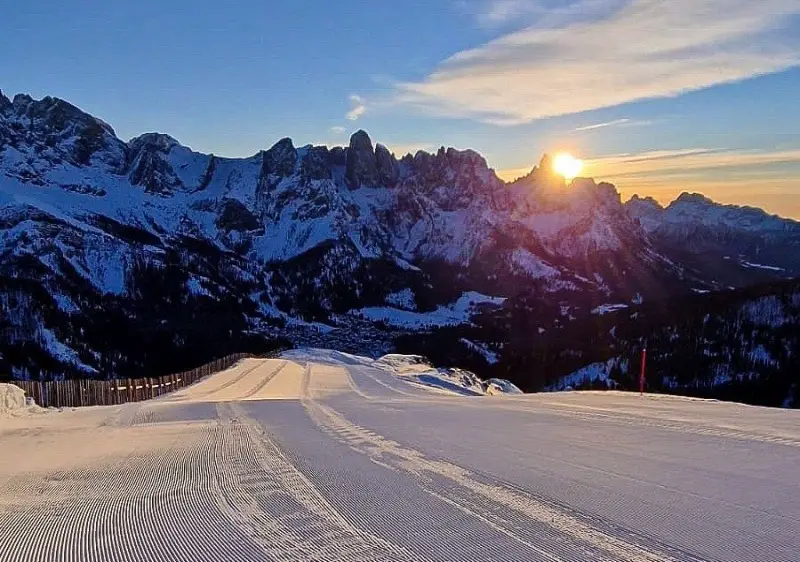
x=490 y=356
x=13 y=403
x=321 y=455
x=61 y=352
x=532 y=265
x=593 y=373
x=11 y=398
x=606 y=308
x=454 y=314
x=748 y=264
x=501 y=386
x=413 y=369
x=416 y=369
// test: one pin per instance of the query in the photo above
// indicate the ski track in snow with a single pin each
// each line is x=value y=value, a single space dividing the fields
x=326 y=458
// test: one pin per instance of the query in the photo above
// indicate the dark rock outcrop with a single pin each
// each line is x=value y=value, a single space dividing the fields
x=386 y=166
x=316 y=164
x=361 y=166
x=276 y=163
x=233 y=215
x=149 y=166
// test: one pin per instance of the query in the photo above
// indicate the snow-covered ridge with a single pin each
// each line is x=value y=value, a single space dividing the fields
x=696 y=208
x=447 y=205
x=724 y=245
x=301 y=239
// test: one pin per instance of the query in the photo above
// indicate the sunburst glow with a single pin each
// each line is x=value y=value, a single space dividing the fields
x=564 y=164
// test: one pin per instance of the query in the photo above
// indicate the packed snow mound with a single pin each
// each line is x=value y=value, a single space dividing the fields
x=501 y=386
x=416 y=369
x=14 y=403
x=411 y=368
x=11 y=398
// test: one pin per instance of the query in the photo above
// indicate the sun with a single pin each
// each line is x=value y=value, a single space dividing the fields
x=565 y=164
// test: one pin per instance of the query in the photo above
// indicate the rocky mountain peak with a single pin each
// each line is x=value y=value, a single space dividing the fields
x=692 y=199
x=58 y=132
x=649 y=202
x=155 y=141
x=361 y=164
x=316 y=163
x=54 y=114
x=607 y=192
x=386 y=166
x=360 y=141
x=541 y=175
x=646 y=210
x=281 y=158
x=22 y=100
x=5 y=103
x=466 y=158
x=545 y=163
x=277 y=163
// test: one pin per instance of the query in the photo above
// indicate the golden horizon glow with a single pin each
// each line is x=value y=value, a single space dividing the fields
x=566 y=165
x=768 y=179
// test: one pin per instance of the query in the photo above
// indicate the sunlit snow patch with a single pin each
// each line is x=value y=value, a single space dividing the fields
x=749 y=265
x=416 y=369
x=14 y=403
x=606 y=308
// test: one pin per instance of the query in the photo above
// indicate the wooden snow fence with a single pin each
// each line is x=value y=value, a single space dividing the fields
x=86 y=392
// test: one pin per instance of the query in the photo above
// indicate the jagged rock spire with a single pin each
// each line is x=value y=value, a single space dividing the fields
x=5 y=103
x=361 y=166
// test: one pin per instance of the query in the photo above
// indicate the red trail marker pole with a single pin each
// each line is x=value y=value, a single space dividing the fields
x=641 y=376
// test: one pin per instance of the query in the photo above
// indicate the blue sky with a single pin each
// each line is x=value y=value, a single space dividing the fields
x=658 y=97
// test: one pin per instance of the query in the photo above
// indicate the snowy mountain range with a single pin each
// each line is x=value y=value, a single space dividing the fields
x=109 y=246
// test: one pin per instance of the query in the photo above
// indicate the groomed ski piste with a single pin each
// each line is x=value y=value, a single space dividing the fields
x=323 y=456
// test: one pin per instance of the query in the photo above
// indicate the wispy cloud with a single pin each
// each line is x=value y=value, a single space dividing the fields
x=628 y=50
x=337 y=130
x=682 y=161
x=502 y=10
x=602 y=125
x=614 y=123
x=357 y=107
x=501 y=13
x=733 y=176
